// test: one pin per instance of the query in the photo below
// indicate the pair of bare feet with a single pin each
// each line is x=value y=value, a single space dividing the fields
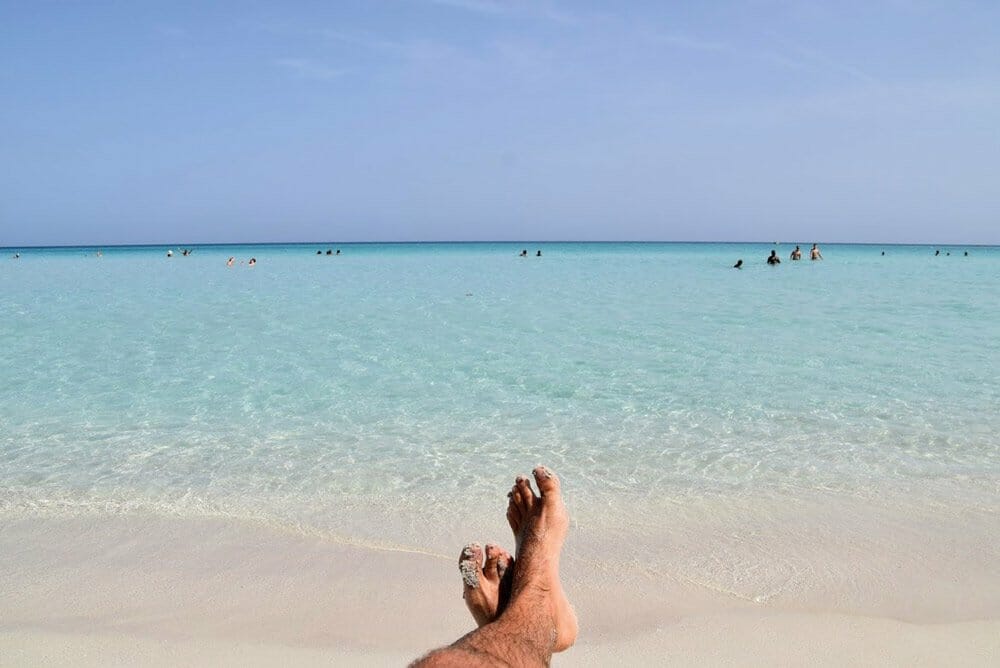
x=518 y=602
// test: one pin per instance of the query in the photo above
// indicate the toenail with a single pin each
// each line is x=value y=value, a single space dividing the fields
x=520 y=478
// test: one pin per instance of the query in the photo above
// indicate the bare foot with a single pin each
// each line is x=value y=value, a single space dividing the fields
x=540 y=524
x=485 y=587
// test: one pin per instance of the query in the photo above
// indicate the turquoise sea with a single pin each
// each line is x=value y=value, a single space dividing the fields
x=388 y=395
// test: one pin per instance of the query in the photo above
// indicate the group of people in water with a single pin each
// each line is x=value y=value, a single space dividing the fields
x=773 y=258
x=328 y=252
x=524 y=253
x=814 y=254
x=938 y=252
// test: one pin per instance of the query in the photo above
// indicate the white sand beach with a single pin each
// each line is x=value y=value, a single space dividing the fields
x=162 y=592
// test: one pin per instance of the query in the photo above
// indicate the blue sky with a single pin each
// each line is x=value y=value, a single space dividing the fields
x=151 y=122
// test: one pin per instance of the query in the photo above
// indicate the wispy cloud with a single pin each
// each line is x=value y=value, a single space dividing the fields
x=411 y=51
x=479 y=6
x=822 y=61
x=528 y=10
x=304 y=68
x=788 y=56
x=363 y=39
x=693 y=43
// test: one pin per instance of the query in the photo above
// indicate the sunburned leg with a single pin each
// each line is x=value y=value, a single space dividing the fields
x=538 y=620
x=485 y=586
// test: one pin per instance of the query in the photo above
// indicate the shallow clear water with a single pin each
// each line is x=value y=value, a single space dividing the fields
x=409 y=383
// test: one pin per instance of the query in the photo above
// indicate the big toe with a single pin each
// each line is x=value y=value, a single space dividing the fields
x=470 y=565
x=548 y=483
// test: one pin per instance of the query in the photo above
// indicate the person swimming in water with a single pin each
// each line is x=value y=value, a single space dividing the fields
x=773 y=258
x=739 y=264
x=814 y=254
x=253 y=261
x=796 y=254
x=230 y=261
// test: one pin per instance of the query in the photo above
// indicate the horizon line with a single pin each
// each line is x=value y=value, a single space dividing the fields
x=521 y=241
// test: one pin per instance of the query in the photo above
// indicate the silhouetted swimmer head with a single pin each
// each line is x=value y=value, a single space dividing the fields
x=739 y=264
x=524 y=253
x=338 y=251
x=538 y=254
x=883 y=252
x=170 y=253
x=948 y=253
x=936 y=253
x=253 y=261
x=966 y=253
x=319 y=252
x=329 y=252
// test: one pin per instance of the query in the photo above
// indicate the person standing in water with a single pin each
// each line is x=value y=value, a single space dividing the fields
x=773 y=258
x=814 y=254
x=796 y=254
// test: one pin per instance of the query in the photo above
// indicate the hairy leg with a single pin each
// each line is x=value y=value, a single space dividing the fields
x=538 y=619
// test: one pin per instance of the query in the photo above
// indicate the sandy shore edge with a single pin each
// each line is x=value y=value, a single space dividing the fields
x=142 y=591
